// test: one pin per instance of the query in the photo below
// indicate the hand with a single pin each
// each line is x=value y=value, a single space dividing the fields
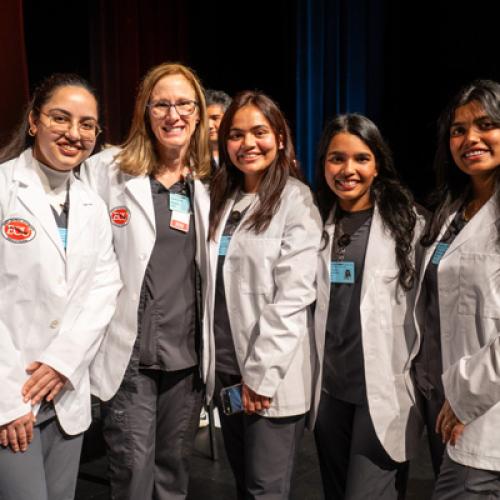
x=45 y=382
x=18 y=433
x=448 y=425
x=253 y=402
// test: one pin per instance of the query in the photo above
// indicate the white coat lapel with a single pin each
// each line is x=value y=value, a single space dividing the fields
x=214 y=243
x=140 y=189
x=480 y=223
x=79 y=212
x=379 y=252
x=323 y=281
x=31 y=194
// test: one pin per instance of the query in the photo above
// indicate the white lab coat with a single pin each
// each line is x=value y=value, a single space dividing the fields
x=269 y=286
x=388 y=336
x=134 y=242
x=469 y=311
x=55 y=305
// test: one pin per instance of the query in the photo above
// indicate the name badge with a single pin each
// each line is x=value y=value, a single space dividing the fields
x=224 y=245
x=179 y=203
x=342 y=272
x=63 y=233
x=180 y=221
x=439 y=252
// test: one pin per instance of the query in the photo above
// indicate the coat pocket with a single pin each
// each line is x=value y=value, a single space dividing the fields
x=257 y=260
x=390 y=298
x=479 y=285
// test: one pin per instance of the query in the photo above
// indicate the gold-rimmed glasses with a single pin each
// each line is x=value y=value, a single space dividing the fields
x=61 y=123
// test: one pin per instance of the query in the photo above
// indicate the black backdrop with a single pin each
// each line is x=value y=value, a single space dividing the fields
x=406 y=59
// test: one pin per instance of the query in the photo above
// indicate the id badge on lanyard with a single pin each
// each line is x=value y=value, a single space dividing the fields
x=342 y=272
x=224 y=245
x=180 y=206
x=440 y=250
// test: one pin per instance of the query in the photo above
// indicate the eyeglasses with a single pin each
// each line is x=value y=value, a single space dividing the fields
x=61 y=124
x=160 y=109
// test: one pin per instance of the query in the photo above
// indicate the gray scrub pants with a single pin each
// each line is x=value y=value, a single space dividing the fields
x=262 y=451
x=459 y=482
x=353 y=463
x=48 y=470
x=149 y=428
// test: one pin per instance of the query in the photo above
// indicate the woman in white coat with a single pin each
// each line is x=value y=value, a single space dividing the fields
x=367 y=424
x=158 y=206
x=265 y=232
x=59 y=279
x=460 y=288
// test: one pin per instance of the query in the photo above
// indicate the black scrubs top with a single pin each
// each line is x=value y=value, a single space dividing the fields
x=225 y=355
x=344 y=375
x=167 y=315
x=427 y=365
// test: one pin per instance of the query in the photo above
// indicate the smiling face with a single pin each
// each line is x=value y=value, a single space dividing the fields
x=64 y=150
x=475 y=142
x=173 y=132
x=252 y=145
x=350 y=169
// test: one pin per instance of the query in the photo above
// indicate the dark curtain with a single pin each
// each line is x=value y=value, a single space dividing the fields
x=14 y=81
x=128 y=37
x=339 y=66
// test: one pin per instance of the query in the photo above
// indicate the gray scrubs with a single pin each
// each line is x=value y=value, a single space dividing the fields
x=150 y=424
x=427 y=366
x=261 y=450
x=348 y=446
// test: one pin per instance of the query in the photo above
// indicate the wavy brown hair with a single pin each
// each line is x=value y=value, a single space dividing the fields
x=139 y=155
x=228 y=179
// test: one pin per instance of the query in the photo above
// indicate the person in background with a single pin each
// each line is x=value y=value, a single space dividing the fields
x=59 y=280
x=264 y=236
x=458 y=304
x=367 y=423
x=153 y=186
x=217 y=104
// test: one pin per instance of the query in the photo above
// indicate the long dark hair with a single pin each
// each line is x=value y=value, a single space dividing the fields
x=228 y=179
x=20 y=139
x=394 y=201
x=453 y=185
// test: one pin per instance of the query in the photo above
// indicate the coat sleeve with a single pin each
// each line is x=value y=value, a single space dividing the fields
x=283 y=323
x=472 y=384
x=72 y=351
x=13 y=377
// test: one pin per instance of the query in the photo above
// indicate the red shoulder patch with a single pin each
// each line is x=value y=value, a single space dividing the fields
x=17 y=230
x=120 y=216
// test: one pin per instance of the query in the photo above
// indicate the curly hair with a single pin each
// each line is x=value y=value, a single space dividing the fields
x=394 y=201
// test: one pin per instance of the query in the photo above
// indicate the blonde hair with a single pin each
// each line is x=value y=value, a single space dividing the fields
x=138 y=155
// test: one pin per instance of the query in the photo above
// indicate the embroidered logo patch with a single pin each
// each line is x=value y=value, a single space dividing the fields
x=18 y=230
x=120 y=216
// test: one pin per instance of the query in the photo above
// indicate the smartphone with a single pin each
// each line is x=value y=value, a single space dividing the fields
x=231 y=399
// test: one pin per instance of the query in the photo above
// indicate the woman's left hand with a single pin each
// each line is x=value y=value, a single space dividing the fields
x=448 y=425
x=45 y=382
x=253 y=402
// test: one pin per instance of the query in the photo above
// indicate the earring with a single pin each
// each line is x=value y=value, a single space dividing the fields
x=31 y=133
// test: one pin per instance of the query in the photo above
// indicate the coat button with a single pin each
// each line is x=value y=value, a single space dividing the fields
x=54 y=324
